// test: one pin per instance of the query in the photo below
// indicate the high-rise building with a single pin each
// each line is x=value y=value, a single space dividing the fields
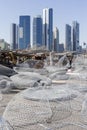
x=14 y=36
x=61 y=47
x=68 y=46
x=75 y=36
x=24 y=32
x=56 y=39
x=37 y=31
x=4 y=45
x=48 y=28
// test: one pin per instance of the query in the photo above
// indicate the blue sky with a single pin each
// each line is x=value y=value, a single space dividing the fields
x=65 y=11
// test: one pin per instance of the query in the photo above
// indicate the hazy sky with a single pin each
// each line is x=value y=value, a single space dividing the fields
x=65 y=11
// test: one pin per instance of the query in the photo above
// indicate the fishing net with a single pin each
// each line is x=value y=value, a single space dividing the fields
x=29 y=79
x=42 y=71
x=4 y=125
x=79 y=85
x=6 y=84
x=84 y=110
x=78 y=81
x=37 y=106
x=59 y=76
x=52 y=69
x=68 y=126
x=63 y=61
x=78 y=62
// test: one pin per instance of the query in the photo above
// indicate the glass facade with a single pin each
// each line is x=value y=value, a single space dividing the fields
x=14 y=37
x=24 y=32
x=37 y=31
x=68 y=45
x=75 y=36
x=48 y=28
x=56 y=40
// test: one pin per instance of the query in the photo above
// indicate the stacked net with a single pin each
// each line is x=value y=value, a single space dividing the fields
x=4 y=125
x=59 y=76
x=77 y=83
x=6 y=84
x=84 y=110
x=52 y=69
x=68 y=126
x=37 y=106
x=29 y=79
x=63 y=62
x=78 y=77
x=78 y=62
x=42 y=71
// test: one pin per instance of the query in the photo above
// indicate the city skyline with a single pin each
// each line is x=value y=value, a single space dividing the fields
x=64 y=13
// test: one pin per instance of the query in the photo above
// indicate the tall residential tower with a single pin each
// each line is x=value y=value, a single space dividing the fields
x=37 y=31
x=48 y=28
x=24 y=32
x=75 y=36
x=14 y=36
x=68 y=46
x=56 y=39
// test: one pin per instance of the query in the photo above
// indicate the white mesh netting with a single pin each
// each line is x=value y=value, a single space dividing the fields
x=78 y=81
x=84 y=110
x=4 y=125
x=28 y=79
x=58 y=67
x=42 y=71
x=22 y=112
x=40 y=107
x=68 y=126
x=63 y=61
x=6 y=84
x=52 y=69
x=78 y=62
x=59 y=76
x=37 y=105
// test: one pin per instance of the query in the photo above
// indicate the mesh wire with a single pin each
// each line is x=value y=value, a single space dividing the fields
x=5 y=84
x=21 y=112
x=78 y=62
x=84 y=110
x=4 y=125
x=78 y=80
x=28 y=79
x=42 y=71
x=37 y=107
x=68 y=126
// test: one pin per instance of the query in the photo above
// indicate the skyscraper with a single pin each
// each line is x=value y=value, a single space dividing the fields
x=56 y=39
x=48 y=28
x=75 y=36
x=68 y=46
x=24 y=32
x=14 y=36
x=37 y=31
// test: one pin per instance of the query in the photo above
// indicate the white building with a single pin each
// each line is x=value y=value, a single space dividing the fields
x=56 y=39
x=4 y=45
